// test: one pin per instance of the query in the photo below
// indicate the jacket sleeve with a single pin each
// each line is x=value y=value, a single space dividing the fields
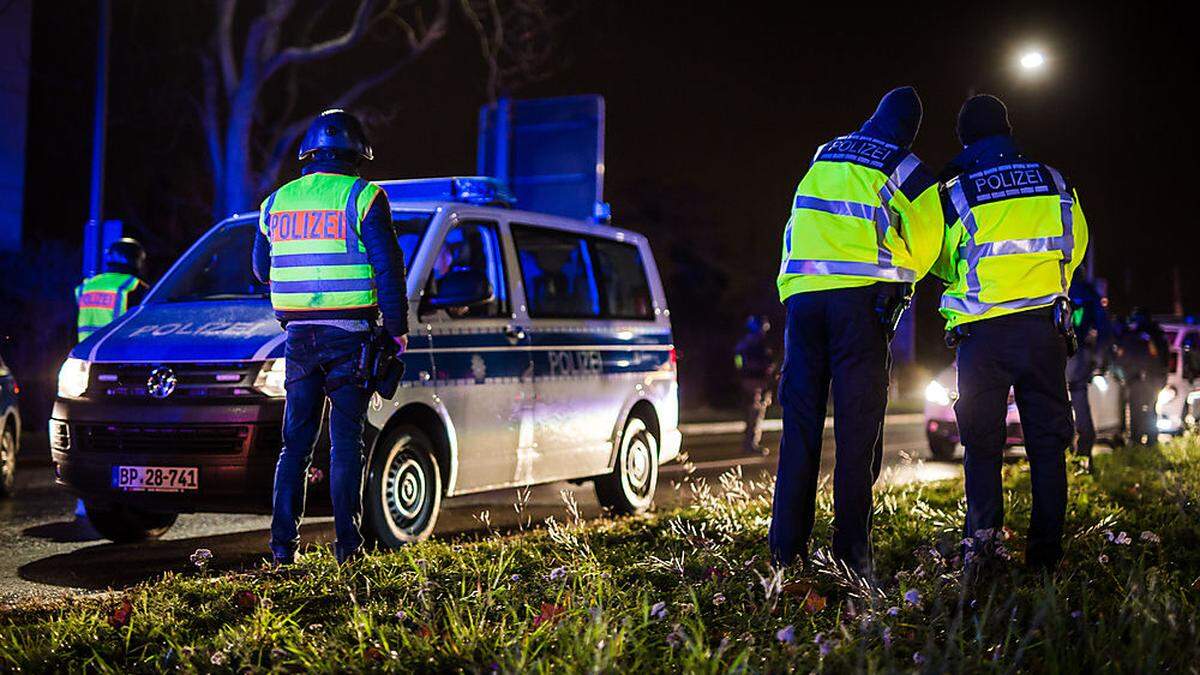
x=921 y=223
x=262 y=258
x=1080 y=232
x=946 y=265
x=387 y=262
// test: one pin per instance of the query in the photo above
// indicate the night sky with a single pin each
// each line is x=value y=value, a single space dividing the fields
x=713 y=114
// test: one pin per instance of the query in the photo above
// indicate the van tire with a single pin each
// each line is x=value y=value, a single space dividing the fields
x=126 y=524
x=8 y=462
x=403 y=494
x=630 y=487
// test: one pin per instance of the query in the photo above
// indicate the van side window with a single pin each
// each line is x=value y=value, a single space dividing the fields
x=472 y=247
x=624 y=290
x=557 y=267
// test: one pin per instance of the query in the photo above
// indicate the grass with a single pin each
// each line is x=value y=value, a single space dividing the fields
x=687 y=590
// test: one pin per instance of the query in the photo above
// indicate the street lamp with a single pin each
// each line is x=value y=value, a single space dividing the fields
x=1032 y=60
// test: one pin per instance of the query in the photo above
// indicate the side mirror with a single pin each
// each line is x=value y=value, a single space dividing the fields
x=461 y=289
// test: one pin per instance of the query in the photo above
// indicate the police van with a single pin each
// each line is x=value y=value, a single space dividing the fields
x=540 y=350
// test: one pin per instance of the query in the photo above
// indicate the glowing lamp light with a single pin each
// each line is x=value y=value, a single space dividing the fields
x=1032 y=60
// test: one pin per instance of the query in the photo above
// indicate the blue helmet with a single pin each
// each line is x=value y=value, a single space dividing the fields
x=338 y=131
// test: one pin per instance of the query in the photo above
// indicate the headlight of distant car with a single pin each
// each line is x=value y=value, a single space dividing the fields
x=271 y=378
x=937 y=393
x=1165 y=396
x=73 y=378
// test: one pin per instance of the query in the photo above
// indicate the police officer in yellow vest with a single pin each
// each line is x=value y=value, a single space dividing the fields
x=327 y=247
x=103 y=297
x=865 y=225
x=1015 y=234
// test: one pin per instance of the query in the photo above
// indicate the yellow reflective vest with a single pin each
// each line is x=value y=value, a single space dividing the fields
x=318 y=261
x=1015 y=234
x=866 y=211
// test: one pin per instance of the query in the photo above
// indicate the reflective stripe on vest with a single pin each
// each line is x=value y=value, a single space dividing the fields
x=973 y=253
x=305 y=274
x=880 y=214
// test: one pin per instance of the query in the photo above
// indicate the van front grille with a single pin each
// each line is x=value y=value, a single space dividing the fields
x=174 y=439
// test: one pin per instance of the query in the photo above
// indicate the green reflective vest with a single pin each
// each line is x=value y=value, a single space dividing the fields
x=101 y=299
x=318 y=261
x=1015 y=237
x=866 y=211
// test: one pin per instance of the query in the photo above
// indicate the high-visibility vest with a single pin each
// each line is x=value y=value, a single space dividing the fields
x=866 y=211
x=101 y=299
x=1017 y=234
x=318 y=261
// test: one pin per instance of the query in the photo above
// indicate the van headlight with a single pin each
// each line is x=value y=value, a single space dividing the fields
x=271 y=378
x=937 y=393
x=73 y=378
x=1165 y=396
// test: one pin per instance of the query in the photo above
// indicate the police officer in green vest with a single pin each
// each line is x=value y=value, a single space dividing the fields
x=865 y=225
x=327 y=247
x=103 y=297
x=1015 y=235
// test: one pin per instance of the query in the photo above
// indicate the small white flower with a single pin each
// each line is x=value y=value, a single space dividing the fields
x=658 y=611
x=1103 y=559
x=718 y=599
x=1150 y=537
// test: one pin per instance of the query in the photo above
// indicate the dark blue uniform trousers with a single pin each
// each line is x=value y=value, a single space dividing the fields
x=1023 y=351
x=831 y=337
x=322 y=362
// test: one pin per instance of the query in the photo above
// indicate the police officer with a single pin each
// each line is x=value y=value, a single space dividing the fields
x=865 y=225
x=103 y=297
x=1143 y=354
x=1015 y=234
x=327 y=247
x=1094 y=333
x=755 y=363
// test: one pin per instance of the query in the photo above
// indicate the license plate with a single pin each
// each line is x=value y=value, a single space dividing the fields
x=155 y=478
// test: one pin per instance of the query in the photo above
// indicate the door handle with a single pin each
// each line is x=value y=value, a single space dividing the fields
x=514 y=333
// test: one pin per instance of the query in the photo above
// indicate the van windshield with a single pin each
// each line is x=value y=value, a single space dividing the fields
x=220 y=267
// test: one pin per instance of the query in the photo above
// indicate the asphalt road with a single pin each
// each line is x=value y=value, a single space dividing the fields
x=45 y=551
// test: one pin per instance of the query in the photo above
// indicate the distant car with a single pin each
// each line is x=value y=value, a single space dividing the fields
x=941 y=425
x=10 y=430
x=1178 y=403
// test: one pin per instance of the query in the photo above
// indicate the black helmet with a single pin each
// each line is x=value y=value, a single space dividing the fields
x=126 y=254
x=336 y=130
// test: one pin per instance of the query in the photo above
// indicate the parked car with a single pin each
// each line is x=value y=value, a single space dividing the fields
x=10 y=430
x=541 y=350
x=1178 y=404
x=941 y=426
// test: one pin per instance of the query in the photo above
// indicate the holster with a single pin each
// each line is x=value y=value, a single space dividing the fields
x=1063 y=321
x=384 y=367
x=956 y=335
x=890 y=305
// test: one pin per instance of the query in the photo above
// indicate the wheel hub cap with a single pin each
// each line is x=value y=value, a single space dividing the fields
x=406 y=487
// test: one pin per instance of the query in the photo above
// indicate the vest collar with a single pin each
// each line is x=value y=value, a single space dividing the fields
x=986 y=151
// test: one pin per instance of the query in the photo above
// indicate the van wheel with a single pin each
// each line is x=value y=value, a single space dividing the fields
x=404 y=490
x=941 y=448
x=8 y=463
x=630 y=487
x=125 y=524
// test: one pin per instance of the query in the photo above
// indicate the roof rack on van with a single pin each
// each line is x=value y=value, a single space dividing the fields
x=483 y=190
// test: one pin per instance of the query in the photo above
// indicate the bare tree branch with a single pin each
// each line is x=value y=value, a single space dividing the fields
x=287 y=138
x=292 y=55
x=210 y=119
x=224 y=39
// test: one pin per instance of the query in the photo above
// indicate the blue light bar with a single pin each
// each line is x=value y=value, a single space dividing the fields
x=482 y=190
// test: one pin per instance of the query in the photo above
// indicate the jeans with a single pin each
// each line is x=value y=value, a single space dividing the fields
x=320 y=357
x=1026 y=353
x=831 y=337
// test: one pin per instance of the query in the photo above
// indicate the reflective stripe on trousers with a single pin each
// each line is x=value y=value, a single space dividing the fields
x=880 y=215
x=974 y=252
